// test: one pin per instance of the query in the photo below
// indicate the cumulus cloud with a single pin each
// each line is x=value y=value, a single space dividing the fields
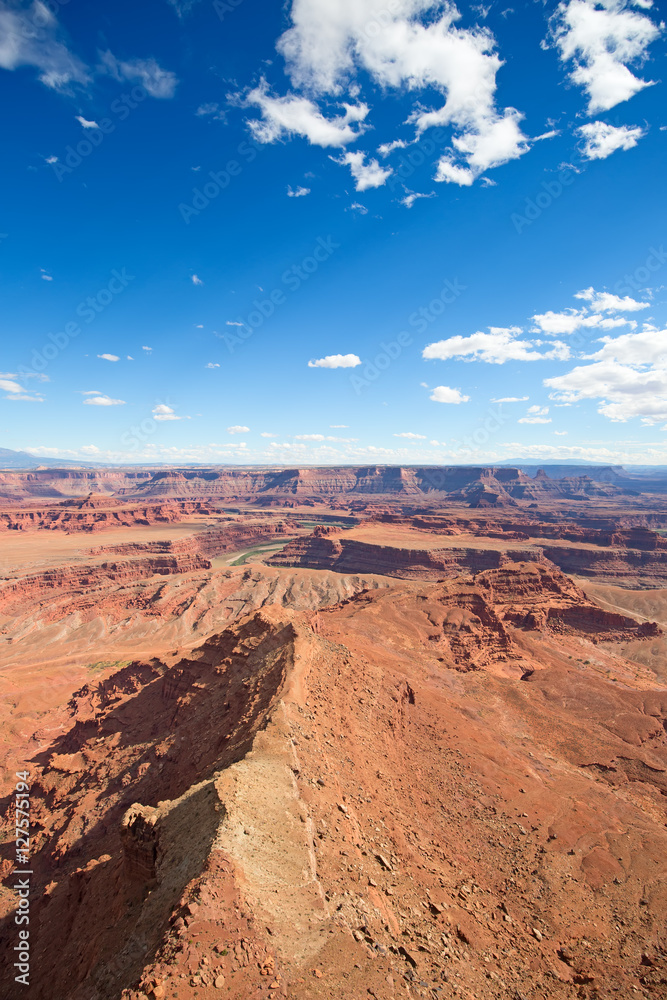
x=628 y=376
x=212 y=364
x=648 y=347
x=624 y=392
x=501 y=344
x=444 y=394
x=109 y=357
x=411 y=436
x=366 y=175
x=163 y=412
x=536 y=415
x=600 y=40
x=196 y=280
x=571 y=320
x=158 y=82
x=294 y=115
x=238 y=429
x=405 y=47
x=601 y=140
x=85 y=123
x=103 y=400
x=510 y=399
x=336 y=361
x=300 y=192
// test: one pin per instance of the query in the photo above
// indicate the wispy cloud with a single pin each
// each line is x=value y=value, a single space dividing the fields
x=158 y=82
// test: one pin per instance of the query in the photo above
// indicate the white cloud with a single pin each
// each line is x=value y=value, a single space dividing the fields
x=267 y=434
x=412 y=196
x=444 y=394
x=46 y=277
x=163 y=412
x=103 y=400
x=366 y=175
x=8 y=385
x=497 y=347
x=211 y=110
x=510 y=399
x=233 y=322
x=338 y=427
x=601 y=140
x=196 y=280
x=158 y=82
x=336 y=361
x=600 y=39
x=84 y=123
x=648 y=347
x=31 y=37
x=606 y=302
x=625 y=391
x=212 y=364
x=109 y=357
x=560 y=433
x=552 y=323
x=51 y=159
x=294 y=115
x=238 y=429
x=361 y=209
x=323 y=437
x=300 y=192
x=388 y=147
x=411 y=436
x=407 y=46
x=536 y=415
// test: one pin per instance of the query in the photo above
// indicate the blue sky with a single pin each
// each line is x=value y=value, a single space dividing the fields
x=382 y=232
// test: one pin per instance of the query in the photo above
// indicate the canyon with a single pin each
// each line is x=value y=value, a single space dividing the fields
x=343 y=732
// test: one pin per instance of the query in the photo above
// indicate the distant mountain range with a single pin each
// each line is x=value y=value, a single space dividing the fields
x=23 y=460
